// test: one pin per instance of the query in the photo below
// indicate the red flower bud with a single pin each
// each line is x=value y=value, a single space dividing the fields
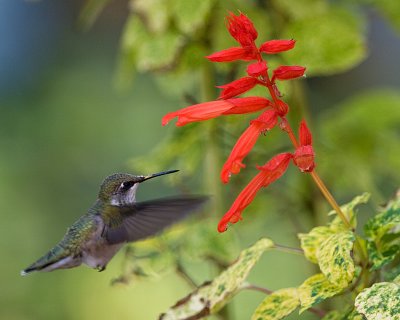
x=281 y=107
x=241 y=29
x=233 y=54
x=257 y=69
x=247 y=105
x=237 y=87
x=276 y=46
x=288 y=72
x=304 y=158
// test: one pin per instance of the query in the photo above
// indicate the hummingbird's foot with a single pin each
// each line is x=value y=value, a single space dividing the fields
x=101 y=268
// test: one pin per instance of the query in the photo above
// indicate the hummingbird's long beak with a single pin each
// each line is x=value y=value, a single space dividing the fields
x=158 y=174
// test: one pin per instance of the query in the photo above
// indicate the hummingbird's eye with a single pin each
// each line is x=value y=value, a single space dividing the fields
x=127 y=185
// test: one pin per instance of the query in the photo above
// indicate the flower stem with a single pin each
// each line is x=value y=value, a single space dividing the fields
x=282 y=248
x=328 y=196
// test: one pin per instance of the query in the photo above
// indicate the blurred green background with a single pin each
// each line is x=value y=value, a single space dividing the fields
x=64 y=126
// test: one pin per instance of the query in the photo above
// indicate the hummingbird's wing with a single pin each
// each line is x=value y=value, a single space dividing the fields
x=145 y=219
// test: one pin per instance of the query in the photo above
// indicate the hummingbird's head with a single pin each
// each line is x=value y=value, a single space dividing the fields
x=120 y=188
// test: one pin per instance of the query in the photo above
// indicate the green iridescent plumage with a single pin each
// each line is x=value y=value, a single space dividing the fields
x=114 y=219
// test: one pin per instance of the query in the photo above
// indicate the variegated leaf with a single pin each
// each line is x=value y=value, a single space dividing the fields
x=334 y=258
x=383 y=222
x=277 y=305
x=343 y=315
x=311 y=241
x=212 y=296
x=380 y=302
x=348 y=210
x=315 y=290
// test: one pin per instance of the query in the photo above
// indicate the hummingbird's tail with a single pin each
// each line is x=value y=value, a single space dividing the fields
x=56 y=258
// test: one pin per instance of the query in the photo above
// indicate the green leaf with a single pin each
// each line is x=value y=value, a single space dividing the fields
x=334 y=258
x=390 y=9
x=348 y=211
x=343 y=315
x=385 y=254
x=212 y=296
x=310 y=242
x=302 y=9
x=90 y=12
x=160 y=51
x=190 y=16
x=315 y=290
x=277 y=305
x=376 y=227
x=155 y=13
x=380 y=302
x=338 y=46
x=383 y=243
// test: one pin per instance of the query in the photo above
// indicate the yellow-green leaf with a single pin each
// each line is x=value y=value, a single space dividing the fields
x=382 y=223
x=277 y=305
x=212 y=296
x=191 y=15
x=349 y=212
x=311 y=241
x=338 y=45
x=334 y=258
x=315 y=290
x=154 y=12
x=343 y=315
x=380 y=302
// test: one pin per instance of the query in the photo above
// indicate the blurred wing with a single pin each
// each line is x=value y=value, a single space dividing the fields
x=145 y=219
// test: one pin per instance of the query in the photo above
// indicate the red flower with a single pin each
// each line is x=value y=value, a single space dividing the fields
x=233 y=54
x=213 y=109
x=266 y=121
x=276 y=46
x=237 y=87
x=257 y=69
x=304 y=155
x=242 y=29
x=247 y=105
x=270 y=172
x=288 y=72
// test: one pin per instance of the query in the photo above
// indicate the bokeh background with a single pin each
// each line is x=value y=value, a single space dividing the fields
x=67 y=122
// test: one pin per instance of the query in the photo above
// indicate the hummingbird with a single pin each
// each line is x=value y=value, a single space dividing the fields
x=114 y=219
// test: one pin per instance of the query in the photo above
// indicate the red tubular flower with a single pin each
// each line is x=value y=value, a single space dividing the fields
x=270 y=172
x=288 y=72
x=247 y=105
x=266 y=121
x=233 y=54
x=257 y=69
x=304 y=155
x=242 y=29
x=237 y=87
x=276 y=46
x=213 y=109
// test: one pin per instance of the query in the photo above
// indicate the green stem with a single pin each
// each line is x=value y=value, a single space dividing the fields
x=282 y=248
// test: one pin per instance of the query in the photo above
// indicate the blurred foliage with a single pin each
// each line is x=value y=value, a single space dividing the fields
x=356 y=143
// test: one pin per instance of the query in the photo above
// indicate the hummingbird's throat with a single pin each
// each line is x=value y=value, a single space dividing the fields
x=125 y=198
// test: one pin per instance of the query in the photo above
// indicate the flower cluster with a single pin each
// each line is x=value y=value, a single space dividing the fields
x=274 y=111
